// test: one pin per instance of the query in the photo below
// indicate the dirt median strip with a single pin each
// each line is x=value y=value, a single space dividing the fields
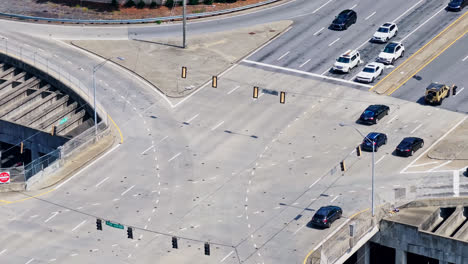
x=416 y=62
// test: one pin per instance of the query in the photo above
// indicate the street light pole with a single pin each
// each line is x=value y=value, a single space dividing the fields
x=184 y=23
x=95 y=68
x=373 y=165
x=94 y=95
x=373 y=175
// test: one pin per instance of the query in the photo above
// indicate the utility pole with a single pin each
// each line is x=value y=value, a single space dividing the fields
x=184 y=29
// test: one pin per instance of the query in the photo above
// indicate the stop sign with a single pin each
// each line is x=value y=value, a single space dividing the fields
x=4 y=177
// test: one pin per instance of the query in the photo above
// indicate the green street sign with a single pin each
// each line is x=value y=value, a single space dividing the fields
x=114 y=225
x=63 y=121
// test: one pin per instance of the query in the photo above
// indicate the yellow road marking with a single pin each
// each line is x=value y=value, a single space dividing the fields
x=31 y=197
x=351 y=217
x=425 y=64
x=449 y=26
x=118 y=129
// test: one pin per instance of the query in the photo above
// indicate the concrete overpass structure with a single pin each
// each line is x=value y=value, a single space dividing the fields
x=37 y=111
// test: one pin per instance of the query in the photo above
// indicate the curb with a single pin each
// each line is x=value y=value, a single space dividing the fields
x=138 y=21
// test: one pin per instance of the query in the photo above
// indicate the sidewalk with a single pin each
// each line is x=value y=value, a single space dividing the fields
x=160 y=61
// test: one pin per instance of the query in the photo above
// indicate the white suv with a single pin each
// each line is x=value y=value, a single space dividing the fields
x=347 y=61
x=391 y=52
x=370 y=72
x=385 y=32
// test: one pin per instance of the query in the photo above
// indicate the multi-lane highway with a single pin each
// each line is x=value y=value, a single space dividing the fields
x=245 y=175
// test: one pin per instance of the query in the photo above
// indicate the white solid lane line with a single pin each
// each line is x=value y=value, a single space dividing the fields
x=101 y=182
x=320 y=7
x=424 y=164
x=414 y=130
x=459 y=91
x=3 y=251
x=230 y=92
x=435 y=143
x=380 y=159
x=353 y=6
x=126 y=191
x=29 y=261
x=465 y=58
x=173 y=157
x=329 y=45
x=191 y=119
x=147 y=150
x=304 y=63
x=409 y=9
x=370 y=15
x=218 y=125
x=396 y=19
x=411 y=33
x=78 y=226
x=320 y=30
x=305 y=73
x=441 y=165
x=282 y=56
x=53 y=215
x=89 y=165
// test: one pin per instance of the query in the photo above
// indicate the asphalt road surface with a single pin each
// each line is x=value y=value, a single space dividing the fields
x=245 y=175
x=448 y=68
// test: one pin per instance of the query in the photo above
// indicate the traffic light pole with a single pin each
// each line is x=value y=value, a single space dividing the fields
x=373 y=165
x=373 y=174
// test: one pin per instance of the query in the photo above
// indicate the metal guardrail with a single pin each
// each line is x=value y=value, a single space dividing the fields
x=136 y=21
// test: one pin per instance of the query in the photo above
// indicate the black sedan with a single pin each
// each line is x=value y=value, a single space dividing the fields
x=457 y=5
x=373 y=114
x=345 y=19
x=408 y=146
x=379 y=139
x=326 y=215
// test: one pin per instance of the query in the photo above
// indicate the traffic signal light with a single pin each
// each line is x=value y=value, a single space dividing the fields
x=99 y=224
x=214 y=82
x=207 y=248
x=255 y=92
x=130 y=232
x=174 y=242
x=454 y=90
x=184 y=72
x=282 y=97
x=343 y=166
x=358 y=150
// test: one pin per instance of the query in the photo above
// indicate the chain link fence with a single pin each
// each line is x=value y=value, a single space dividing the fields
x=29 y=59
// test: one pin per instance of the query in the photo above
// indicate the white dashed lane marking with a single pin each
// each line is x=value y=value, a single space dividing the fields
x=237 y=87
x=50 y=218
x=101 y=182
x=370 y=15
x=329 y=45
x=218 y=125
x=122 y=194
x=78 y=226
x=282 y=56
x=175 y=156
x=317 y=32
